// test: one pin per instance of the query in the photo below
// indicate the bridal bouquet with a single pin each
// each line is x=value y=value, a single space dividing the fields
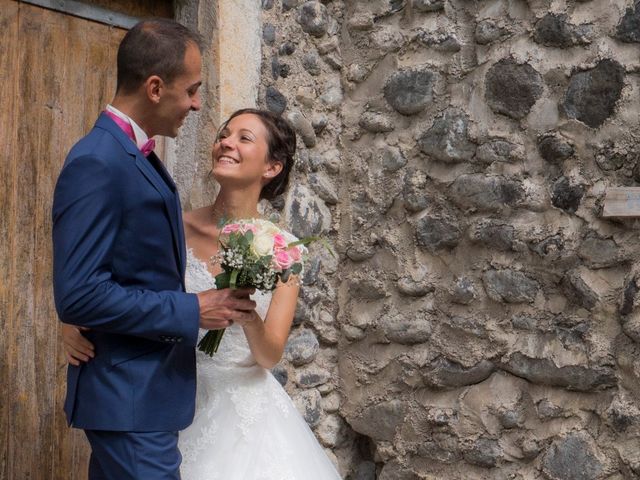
x=254 y=254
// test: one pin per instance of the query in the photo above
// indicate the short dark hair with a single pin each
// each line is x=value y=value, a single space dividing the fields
x=281 y=143
x=154 y=46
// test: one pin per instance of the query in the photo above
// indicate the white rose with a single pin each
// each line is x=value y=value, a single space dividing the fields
x=267 y=227
x=262 y=243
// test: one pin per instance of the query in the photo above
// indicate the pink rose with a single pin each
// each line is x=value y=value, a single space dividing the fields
x=283 y=259
x=279 y=242
x=250 y=227
x=230 y=228
x=295 y=254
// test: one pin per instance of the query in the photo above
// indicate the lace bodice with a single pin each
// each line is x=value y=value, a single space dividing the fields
x=233 y=350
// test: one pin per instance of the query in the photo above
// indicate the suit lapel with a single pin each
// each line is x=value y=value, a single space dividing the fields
x=161 y=181
x=180 y=247
x=181 y=241
x=159 y=167
x=170 y=202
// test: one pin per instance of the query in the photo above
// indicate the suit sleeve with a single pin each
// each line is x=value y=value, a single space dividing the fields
x=87 y=210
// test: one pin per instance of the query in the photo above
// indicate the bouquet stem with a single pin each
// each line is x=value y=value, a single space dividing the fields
x=211 y=341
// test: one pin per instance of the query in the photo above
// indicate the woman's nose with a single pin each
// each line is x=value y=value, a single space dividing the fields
x=226 y=143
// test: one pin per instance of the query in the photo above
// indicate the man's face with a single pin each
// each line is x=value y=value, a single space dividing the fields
x=181 y=95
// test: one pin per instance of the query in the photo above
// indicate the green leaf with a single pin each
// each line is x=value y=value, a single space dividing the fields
x=233 y=279
x=265 y=261
x=308 y=240
x=303 y=241
x=222 y=280
x=296 y=268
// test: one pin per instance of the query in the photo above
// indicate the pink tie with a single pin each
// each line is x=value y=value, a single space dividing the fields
x=148 y=147
x=126 y=127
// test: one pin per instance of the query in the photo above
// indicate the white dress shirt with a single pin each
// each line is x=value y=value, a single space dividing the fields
x=141 y=137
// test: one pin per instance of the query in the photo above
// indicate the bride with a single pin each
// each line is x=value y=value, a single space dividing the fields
x=245 y=426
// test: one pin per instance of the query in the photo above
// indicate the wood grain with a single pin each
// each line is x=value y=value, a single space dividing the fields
x=138 y=8
x=8 y=201
x=57 y=74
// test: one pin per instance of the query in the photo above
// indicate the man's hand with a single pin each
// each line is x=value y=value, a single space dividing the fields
x=220 y=308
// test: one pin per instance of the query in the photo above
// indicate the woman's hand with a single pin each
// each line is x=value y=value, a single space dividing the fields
x=267 y=339
x=77 y=348
x=250 y=321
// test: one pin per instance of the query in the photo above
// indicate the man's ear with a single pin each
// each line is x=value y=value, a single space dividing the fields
x=272 y=169
x=153 y=87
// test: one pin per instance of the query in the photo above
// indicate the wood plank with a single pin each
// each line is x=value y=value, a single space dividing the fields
x=64 y=100
x=95 y=47
x=58 y=72
x=23 y=421
x=139 y=8
x=72 y=451
x=8 y=201
x=48 y=164
x=76 y=64
x=42 y=32
x=622 y=202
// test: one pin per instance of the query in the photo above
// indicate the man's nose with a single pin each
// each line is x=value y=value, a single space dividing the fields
x=196 y=104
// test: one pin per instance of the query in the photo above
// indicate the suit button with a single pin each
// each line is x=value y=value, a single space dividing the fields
x=179 y=339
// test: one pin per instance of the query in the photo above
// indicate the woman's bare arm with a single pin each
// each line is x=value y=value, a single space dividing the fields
x=267 y=339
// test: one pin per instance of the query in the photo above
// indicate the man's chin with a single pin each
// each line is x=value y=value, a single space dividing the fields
x=170 y=134
x=176 y=130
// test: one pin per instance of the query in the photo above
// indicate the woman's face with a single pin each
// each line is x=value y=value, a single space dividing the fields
x=240 y=153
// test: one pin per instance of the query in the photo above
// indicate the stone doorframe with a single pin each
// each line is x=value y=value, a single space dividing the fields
x=231 y=76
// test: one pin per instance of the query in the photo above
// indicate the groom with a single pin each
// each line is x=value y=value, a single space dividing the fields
x=119 y=262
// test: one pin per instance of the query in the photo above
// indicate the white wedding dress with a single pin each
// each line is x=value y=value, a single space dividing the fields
x=245 y=426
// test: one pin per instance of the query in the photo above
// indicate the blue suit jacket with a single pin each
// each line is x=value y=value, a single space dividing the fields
x=118 y=268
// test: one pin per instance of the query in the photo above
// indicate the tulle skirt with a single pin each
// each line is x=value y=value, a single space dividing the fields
x=247 y=428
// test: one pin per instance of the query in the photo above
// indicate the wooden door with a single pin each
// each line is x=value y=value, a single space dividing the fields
x=57 y=72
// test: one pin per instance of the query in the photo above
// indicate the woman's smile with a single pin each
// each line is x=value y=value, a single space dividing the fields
x=227 y=159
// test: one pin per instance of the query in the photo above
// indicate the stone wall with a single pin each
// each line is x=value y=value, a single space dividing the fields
x=482 y=319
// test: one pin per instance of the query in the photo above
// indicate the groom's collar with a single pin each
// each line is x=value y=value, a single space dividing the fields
x=108 y=124
x=140 y=136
